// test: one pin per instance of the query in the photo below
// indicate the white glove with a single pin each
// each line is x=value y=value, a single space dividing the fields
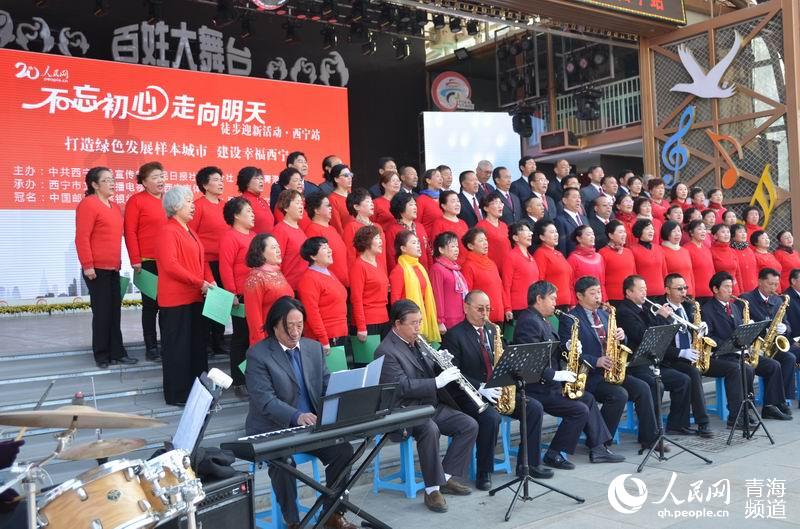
x=781 y=328
x=580 y=346
x=564 y=376
x=689 y=354
x=490 y=394
x=445 y=377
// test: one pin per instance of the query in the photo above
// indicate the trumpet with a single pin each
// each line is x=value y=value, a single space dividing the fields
x=701 y=329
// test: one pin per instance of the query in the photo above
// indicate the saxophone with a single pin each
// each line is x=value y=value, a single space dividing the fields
x=615 y=351
x=773 y=342
x=752 y=358
x=701 y=343
x=508 y=395
x=574 y=390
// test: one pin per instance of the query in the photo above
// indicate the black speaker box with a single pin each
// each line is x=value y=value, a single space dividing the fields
x=228 y=503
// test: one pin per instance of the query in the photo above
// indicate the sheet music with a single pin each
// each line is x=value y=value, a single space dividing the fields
x=197 y=406
x=347 y=380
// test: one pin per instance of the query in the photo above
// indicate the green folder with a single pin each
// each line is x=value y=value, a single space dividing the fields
x=243 y=366
x=124 y=281
x=218 y=305
x=508 y=332
x=335 y=359
x=364 y=352
x=147 y=282
x=238 y=311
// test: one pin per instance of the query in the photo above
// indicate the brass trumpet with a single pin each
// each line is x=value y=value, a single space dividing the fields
x=701 y=329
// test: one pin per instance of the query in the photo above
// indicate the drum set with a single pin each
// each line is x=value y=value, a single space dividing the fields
x=119 y=494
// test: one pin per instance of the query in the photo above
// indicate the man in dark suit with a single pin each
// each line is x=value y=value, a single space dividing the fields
x=555 y=188
x=577 y=415
x=295 y=160
x=593 y=189
x=538 y=187
x=521 y=186
x=470 y=201
x=404 y=364
x=568 y=220
x=793 y=312
x=600 y=219
x=472 y=344
x=484 y=173
x=593 y=334
x=287 y=378
x=634 y=317
x=512 y=209
x=385 y=163
x=534 y=210
x=764 y=305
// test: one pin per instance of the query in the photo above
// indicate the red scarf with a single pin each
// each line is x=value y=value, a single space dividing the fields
x=481 y=261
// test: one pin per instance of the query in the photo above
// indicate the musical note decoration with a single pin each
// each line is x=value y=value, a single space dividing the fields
x=674 y=155
x=765 y=195
x=731 y=175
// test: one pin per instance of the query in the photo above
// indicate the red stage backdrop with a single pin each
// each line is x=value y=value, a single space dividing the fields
x=63 y=115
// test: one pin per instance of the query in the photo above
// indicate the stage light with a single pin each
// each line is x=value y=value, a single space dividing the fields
x=225 y=15
x=587 y=103
x=402 y=49
x=462 y=54
x=599 y=58
x=329 y=37
x=455 y=25
x=276 y=6
x=387 y=16
x=405 y=16
x=522 y=123
x=356 y=11
x=570 y=66
x=473 y=27
x=422 y=18
x=583 y=63
x=369 y=47
x=438 y=22
x=291 y=32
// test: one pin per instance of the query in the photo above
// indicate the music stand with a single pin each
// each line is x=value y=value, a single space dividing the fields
x=520 y=365
x=742 y=339
x=651 y=350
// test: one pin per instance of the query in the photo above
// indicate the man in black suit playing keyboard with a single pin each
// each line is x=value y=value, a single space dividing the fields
x=287 y=378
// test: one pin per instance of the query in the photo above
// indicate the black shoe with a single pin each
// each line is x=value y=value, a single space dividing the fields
x=102 y=365
x=538 y=472
x=152 y=355
x=772 y=412
x=785 y=408
x=681 y=431
x=557 y=461
x=125 y=360
x=241 y=392
x=703 y=430
x=484 y=481
x=601 y=454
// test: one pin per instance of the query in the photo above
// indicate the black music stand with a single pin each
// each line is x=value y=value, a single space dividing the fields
x=519 y=365
x=741 y=339
x=651 y=350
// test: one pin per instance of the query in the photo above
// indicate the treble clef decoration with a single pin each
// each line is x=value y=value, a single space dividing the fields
x=674 y=155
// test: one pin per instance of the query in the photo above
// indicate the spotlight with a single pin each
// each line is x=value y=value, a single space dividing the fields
x=387 y=16
x=522 y=123
x=422 y=18
x=570 y=66
x=583 y=63
x=473 y=27
x=329 y=37
x=369 y=47
x=599 y=58
x=271 y=5
x=587 y=103
x=291 y=32
x=100 y=9
x=462 y=54
x=455 y=25
x=402 y=49
x=405 y=16
x=356 y=11
x=438 y=22
x=225 y=15
x=247 y=28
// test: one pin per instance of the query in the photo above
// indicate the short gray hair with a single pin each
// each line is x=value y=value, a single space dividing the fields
x=175 y=198
x=485 y=165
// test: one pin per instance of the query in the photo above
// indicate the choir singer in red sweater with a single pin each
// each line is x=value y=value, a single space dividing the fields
x=369 y=284
x=264 y=285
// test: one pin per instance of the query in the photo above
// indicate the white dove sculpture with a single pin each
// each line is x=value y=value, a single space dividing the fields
x=707 y=85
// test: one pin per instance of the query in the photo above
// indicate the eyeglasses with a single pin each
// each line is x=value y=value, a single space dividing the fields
x=481 y=308
x=680 y=288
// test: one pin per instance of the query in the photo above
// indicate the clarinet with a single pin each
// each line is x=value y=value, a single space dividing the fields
x=443 y=359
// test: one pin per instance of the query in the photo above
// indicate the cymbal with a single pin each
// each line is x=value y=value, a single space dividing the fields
x=102 y=448
x=85 y=417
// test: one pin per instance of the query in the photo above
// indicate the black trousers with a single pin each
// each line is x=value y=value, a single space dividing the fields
x=149 y=312
x=718 y=368
x=106 y=301
x=614 y=398
x=678 y=384
x=579 y=415
x=334 y=458
x=452 y=423
x=240 y=342
x=771 y=370
x=788 y=361
x=183 y=349
x=489 y=428
x=216 y=331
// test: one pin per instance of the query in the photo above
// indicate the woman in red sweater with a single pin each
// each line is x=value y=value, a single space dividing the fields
x=449 y=284
x=553 y=267
x=233 y=270
x=319 y=210
x=290 y=236
x=183 y=280
x=449 y=221
x=250 y=182
x=624 y=213
x=649 y=257
x=290 y=178
x=745 y=257
x=264 y=284
x=657 y=191
x=209 y=224
x=729 y=219
x=679 y=196
x=752 y=220
x=361 y=210
x=787 y=256
x=428 y=199
x=585 y=260
x=323 y=296
x=519 y=270
x=759 y=241
x=643 y=207
x=409 y=280
x=390 y=184
x=715 y=200
x=677 y=257
x=98 y=236
x=496 y=230
x=404 y=209
x=618 y=260
x=144 y=218
x=369 y=285
x=342 y=176
x=702 y=262
x=481 y=272
x=724 y=256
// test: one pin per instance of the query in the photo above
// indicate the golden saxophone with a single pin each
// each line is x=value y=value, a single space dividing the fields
x=574 y=390
x=700 y=342
x=752 y=357
x=773 y=342
x=615 y=351
x=508 y=394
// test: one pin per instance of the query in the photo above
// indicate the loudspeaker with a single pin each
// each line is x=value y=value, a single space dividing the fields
x=522 y=124
x=228 y=503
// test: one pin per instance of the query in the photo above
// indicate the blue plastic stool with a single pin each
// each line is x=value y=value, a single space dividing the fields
x=759 y=392
x=631 y=425
x=272 y=518
x=721 y=406
x=405 y=479
x=797 y=385
x=502 y=463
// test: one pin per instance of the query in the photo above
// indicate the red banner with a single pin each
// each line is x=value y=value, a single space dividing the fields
x=63 y=115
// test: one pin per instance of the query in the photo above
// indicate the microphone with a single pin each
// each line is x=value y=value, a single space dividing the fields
x=220 y=378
